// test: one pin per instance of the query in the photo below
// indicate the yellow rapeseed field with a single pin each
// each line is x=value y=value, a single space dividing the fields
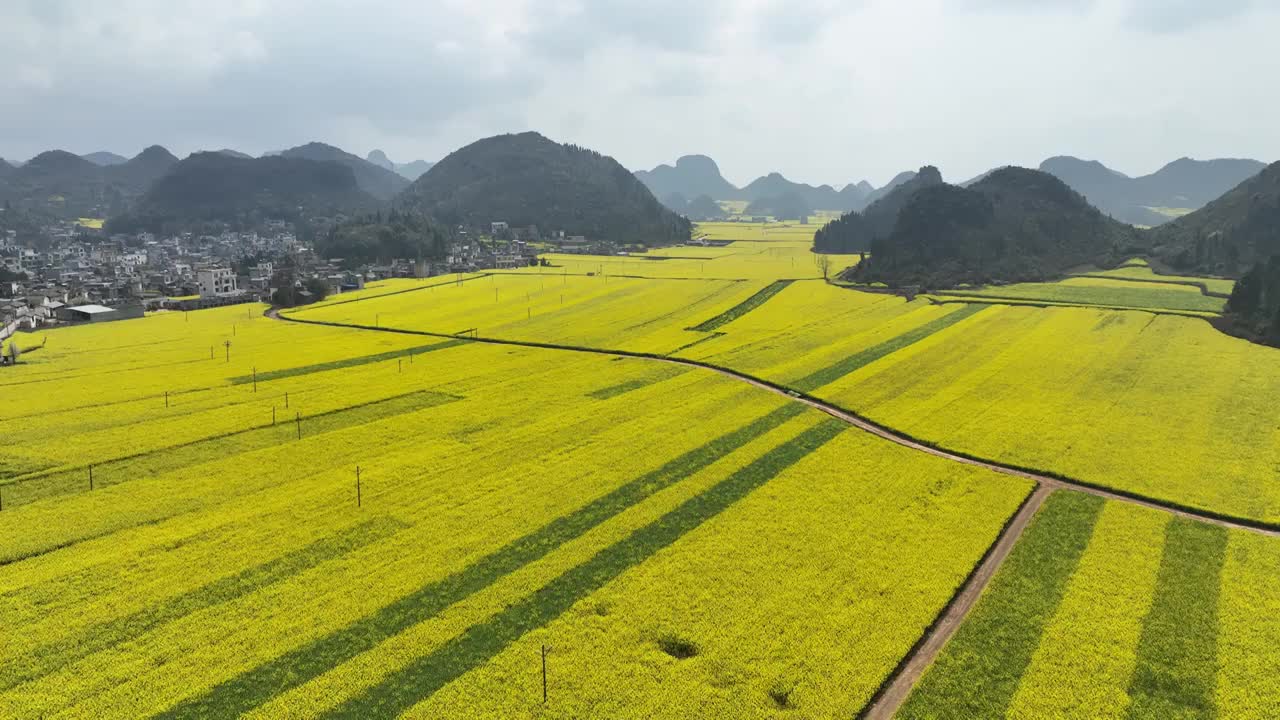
x=220 y=564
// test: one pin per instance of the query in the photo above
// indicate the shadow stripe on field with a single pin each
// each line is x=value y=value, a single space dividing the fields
x=979 y=670
x=255 y=687
x=51 y=657
x=861 y=359
x=1177 y=667
x=654 y=377
x=420 y=679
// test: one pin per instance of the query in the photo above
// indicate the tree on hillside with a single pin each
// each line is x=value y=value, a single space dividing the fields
x=823 y=263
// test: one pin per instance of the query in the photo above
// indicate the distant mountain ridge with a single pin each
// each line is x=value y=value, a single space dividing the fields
x=410 y=171
x=1183 y=183
x=103 y=158
x=1015 y=224
x=527 y=179
x=695 y=175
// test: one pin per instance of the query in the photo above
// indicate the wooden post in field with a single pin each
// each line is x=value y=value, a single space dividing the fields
x=210 y=352
x=357 y=486
x=544 y=673
x=273 y=416
x=255 y=378
x=166 y=398
x=399 y=365
x=90 y=477
x=286 y=401
x=298 y=420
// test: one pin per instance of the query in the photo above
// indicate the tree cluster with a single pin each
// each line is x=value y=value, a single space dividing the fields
x=379 y=238
x=1254 y=306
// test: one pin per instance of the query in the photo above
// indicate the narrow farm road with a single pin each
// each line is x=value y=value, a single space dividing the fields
x=895 y=691
x=889 y=698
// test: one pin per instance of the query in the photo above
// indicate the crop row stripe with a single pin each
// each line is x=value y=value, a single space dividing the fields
x=979 y=671
x=1177 y=663
x=756 y=300
x=52 y=657
x=834 y=372
x=480 y=643
x=344 y=363
x=258 y=685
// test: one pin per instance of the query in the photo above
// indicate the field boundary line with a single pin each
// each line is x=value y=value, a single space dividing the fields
x=885 y=432
x=897 y=685
x=1204 y=288
x=946 y=297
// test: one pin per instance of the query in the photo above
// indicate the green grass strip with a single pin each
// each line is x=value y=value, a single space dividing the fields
x=255 y=687
x=480 y=643
x=665 y=373
x=978 y=671
x=345 y=363
x=861 y=359
x=54 y=656
x=174 y=457
x=744 y=307
x=1177 y=666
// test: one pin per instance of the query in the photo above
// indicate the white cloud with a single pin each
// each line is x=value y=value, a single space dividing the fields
x=823 y=91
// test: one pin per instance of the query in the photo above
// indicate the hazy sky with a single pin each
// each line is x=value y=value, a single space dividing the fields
x=827 y=91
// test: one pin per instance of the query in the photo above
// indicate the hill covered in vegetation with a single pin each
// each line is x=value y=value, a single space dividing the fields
x=526 y=179
x=1013 y=225
x=379 y=182
x=854 y=232
x=69 y=186
x=1229 y=235
x=215 y=187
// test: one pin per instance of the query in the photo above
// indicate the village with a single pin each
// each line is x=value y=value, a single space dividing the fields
x=74 y=273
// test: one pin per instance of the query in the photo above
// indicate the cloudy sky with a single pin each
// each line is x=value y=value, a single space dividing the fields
x=827 y=91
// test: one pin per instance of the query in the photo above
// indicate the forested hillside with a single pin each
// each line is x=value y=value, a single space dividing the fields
x=527 y=179
x=1014 y=225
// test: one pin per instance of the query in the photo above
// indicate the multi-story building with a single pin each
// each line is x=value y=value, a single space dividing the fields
x=217 y=282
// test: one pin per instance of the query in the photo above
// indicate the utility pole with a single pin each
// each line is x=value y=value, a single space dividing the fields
x=544 y=674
